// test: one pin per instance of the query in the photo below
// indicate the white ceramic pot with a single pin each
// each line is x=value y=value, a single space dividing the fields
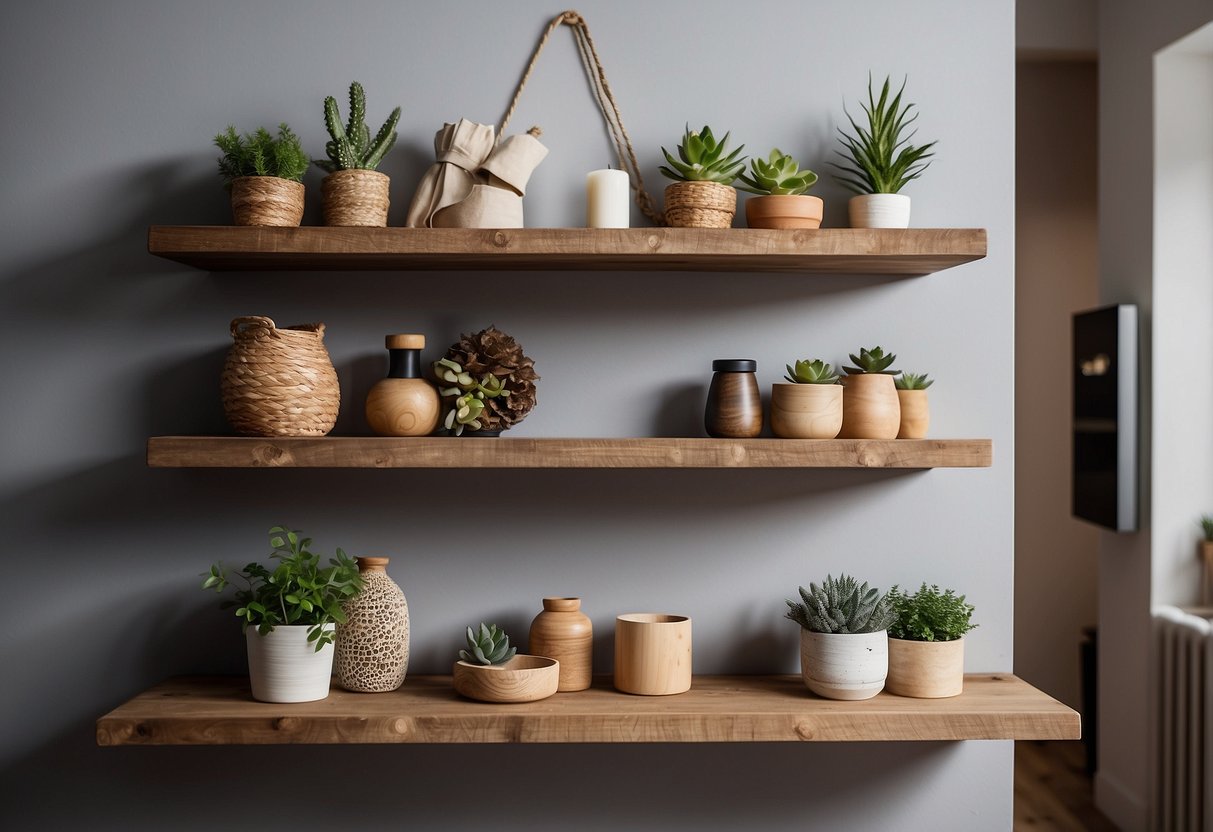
x=880 y=211
x=844 y=665
x=285 y=667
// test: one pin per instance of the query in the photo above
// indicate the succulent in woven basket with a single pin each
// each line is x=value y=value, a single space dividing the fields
x=488 y=382
x=702 y=159
x=487 y=645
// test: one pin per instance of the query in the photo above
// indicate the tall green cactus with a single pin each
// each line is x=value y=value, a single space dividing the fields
x=351 y=147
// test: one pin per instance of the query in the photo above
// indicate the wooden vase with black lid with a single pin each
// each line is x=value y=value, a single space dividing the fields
x=734 y=408
x=404 y=403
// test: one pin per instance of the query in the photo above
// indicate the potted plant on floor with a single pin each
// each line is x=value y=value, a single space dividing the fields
x=355 y=193
x=870 y=409
x=490 y=670
x=702 y=195
x=879 y=160
x=843 y=643
x=809 y=406
x=263 y=174
x=781 y=201
x=289 y=612
x=926 y=642
x=915 y=409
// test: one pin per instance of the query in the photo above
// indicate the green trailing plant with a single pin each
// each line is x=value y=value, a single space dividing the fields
x=777 y=175
x=702 y=159
x=811 y=372
x=913 y=381
x=1206 y=526
x=351 y=146
x=878 y=158
x=261 y=154
x=929 y=614
x=469 y=394
x=294 y=591
x=873 y=360
x=841 y=605
x=487 y=645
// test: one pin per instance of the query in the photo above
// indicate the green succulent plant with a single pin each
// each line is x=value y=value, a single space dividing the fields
x=929 y=614
x=261 y=154
x=811 y=372
x=872 y=360
x=913 y=381
x=702 y=159
x=777 y=175
x=351 y=146
x=879 y=159
x=469 y=394
x=1206 y=526
x=841 y=606
x=487 y=645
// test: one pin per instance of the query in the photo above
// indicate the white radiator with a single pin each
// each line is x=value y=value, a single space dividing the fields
x=1183 y=698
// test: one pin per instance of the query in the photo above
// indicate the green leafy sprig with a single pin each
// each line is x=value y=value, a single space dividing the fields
x=930 y=614
x=878 y=159
x=261 y=154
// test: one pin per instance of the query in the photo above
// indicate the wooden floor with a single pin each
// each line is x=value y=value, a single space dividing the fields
x=1052 y=790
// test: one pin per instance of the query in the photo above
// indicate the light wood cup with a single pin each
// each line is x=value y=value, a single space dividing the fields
x=870 y=409
x=521 y=679
x=652 y=653
x=915 y=414
x=806 y=411
x=926 y=669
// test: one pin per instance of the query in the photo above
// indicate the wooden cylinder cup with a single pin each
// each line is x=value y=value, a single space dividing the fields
x=926 y=669
x=806 y=411
x=870 y=408
x=652 y=654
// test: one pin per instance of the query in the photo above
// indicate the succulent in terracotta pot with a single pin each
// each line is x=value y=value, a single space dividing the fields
x=780 y=186
x=702 y=195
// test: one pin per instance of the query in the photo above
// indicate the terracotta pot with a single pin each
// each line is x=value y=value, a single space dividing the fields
x=800 y=211
x=521 y=679
x=870 y=408
x=806 y=411
x=844 y=665
x=652 y=653
x=700 y=205
x=880 y=211
x=355 y=197
x=563 y=632
x=285 y=667
x=926 y=669
x=915 y=414
x=267 y=200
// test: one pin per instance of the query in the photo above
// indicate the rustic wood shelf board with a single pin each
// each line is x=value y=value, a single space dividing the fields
x=221 y=711
x=453 y=452
x=894 y=251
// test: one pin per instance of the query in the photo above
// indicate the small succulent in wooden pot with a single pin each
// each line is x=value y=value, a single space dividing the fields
x=491 y=670
x=915 y=409
x=809 y=406
x=870 y=409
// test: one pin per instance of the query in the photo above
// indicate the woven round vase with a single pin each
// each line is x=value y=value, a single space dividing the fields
x=372 y=652
x=700 y=205
x=355 y=197
x=279 y=382
x=267 y=200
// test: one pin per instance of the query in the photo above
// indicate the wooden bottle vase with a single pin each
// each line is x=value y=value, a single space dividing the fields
x=564 y=633
x=404 y=403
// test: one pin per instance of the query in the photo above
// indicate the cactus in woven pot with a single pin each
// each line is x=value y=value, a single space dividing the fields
x=487 y=383
x=702 y=195
x=355 y=193
x=263 y=172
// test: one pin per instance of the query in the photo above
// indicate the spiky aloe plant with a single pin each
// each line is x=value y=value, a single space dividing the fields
x=913 y=381
x=487 y=645
x=702 y=159
x=777 y=175
x=261 y=154
x=841 y=606
x=811 y=372
x=351 y=146
x=872 y=360
x=878 y=158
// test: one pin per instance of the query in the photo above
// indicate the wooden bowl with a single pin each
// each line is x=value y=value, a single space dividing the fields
x=521 y=679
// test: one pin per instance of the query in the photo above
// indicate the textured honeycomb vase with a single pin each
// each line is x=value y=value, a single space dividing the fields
x=372 y=652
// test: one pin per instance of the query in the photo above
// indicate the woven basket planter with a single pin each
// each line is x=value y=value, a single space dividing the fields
x=355 y=197
x=700 y=205
x=267 y=200
x=279 y=382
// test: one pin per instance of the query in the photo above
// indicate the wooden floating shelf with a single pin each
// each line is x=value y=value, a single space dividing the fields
x=452 y=452
x=221 y=711
x=897 y=251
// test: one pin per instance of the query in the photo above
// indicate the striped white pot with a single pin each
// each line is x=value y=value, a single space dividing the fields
x=844 y=665
x=284 y=666
x=880 y=211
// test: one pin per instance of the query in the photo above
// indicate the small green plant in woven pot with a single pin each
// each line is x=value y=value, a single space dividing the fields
x=488 y=644
x=263 y=174
x=841 y=605
x=930 y=614
x=295 y=590
x=702 y=195
x=813 y=371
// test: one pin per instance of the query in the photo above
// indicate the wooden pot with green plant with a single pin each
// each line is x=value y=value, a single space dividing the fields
x=843 y=640
x=914 y=405
x=263 y=172
x=289 y=612
x=702 y=195
x=355 y=193
x=878 y=161
x=926 y=642
x=780 y=201
x=870 y=407
x=1206 y=559
x=809 y=406
x=490 y=670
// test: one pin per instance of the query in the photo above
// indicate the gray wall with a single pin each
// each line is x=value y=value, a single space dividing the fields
x=111 y=111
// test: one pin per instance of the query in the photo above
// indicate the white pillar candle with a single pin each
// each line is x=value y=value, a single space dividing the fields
x=607 y=199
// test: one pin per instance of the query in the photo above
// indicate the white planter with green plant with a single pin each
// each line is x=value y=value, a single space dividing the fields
x=289 y=613
x=810 y=405
x=843 y=639
x=879 y=160
x=702 y=195
x=926 y=642
x=780 y=201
